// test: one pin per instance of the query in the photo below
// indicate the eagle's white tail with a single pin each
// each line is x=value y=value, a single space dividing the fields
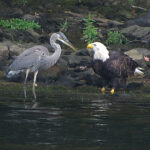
x=138 y=71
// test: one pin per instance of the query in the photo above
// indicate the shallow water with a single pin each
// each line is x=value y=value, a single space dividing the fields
x=78 y=119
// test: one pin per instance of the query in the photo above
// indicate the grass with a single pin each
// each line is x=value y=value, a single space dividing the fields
x=21 y=2
x=19 y=24
x=131 y=2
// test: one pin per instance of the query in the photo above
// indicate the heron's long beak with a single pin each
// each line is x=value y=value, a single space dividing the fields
x=68 y=44
x=90 y=46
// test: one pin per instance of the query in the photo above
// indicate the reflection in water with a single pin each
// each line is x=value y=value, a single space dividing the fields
x=25 y=92
x=33 y=105
x=71 y=121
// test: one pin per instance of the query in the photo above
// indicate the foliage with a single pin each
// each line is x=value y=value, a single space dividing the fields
x=69 y=2
x=116 y=37
x=131 y=2
x=90 y=32
x=64 y=26
x=19 y=24
x=21 y=2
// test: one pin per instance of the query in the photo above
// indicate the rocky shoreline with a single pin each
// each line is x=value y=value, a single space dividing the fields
x=73 y=69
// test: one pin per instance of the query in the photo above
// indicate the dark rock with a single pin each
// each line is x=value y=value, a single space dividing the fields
x=48 y=24
x=67 y=80
x=143 y=21
x=11 y=13
x=138 y=54
x=30 y=17
x=138 y=33
x=147 y=74
x=44 y=39
x=75 y=60
x=93 y=80
x=1 y=35
x=54 y=72
x=26 y=36
x=82 y=52
x=134 y=85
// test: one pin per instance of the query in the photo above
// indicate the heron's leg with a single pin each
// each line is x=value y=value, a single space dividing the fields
x=25 y=81
x=34 y=84
x=103 y=90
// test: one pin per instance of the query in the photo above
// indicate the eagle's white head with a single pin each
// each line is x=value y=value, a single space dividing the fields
x=100 y=51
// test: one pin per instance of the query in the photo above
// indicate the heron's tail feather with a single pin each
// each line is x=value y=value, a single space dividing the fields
x=11 y=73
x=138 y=71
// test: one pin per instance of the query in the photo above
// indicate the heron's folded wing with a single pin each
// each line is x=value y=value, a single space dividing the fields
x=28 y=61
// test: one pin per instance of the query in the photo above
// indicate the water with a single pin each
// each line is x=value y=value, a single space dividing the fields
x=78 y=119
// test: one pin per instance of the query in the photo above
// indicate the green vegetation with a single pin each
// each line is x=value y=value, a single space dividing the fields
x=131 y=2
x=116 y=37
x=68 y=2
x=18 y=24
x=90 y=32
x=64 y=26
x=21 y=2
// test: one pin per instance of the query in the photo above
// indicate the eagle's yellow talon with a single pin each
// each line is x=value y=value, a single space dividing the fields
x=112 y=91
x=103 y=90
x=35 y=85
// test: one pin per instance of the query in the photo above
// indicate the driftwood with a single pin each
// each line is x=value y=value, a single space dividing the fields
x=100 y=21
x=137 y=7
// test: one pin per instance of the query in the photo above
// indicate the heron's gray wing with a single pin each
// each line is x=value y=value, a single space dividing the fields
x=27 y=61
x=35 y=48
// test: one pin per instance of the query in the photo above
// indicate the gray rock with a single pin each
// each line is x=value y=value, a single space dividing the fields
x=140 y=33
x=8 y=51
x=144 y=20
x=82 y=52
x=4 y=54
x=11 y=13
x=30 y=17
x=3 y=51
x=137 y=54
x=75 y=60
x=67 y=80
x=26 y=36
x=13 y=48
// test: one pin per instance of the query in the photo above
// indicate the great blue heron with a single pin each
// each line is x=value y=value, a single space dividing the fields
x=37 y=58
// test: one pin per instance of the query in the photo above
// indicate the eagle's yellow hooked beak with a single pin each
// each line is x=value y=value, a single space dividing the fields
x=90 y=46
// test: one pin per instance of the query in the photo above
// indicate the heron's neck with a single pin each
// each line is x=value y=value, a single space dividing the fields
x=56 y=55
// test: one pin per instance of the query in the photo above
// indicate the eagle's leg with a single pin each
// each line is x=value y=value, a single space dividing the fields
x=117 y=83
x=112 y=91
x=104 y=83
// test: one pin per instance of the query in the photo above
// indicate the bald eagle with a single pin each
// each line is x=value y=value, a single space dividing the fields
x=114 y=67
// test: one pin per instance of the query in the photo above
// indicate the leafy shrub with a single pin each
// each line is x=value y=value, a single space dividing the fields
x=64 y=26
x=19 y=24
x=131 y=2
x=68 y=2
x=90 y=32
x=21 y=2
x=116 y=37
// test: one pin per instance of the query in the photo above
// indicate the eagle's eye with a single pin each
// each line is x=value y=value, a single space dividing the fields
x=94 y=44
